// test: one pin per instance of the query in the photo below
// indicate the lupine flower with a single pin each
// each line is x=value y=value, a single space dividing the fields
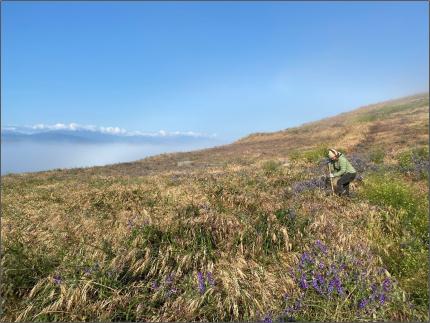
x=338 y=285
x=305 y=259
x=57 y=279
x=154 y=285
x=87 y=271
x=382 y=299
x=321 y=246
x=201 y=280
x=330 y=286
x=210 y=279
x=303 y=282
x=359 y=163
x=267 y=318
x=316 y=286
x=315 y=183
x=363 y=303
x=169 y=279
x=374 y=289
x=386 y=285
x=297 y=305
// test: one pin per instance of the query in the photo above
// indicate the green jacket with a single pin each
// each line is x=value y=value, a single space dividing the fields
x=342 y=166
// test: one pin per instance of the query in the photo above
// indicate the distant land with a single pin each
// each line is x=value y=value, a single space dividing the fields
x=45 y=147
x=85 y=134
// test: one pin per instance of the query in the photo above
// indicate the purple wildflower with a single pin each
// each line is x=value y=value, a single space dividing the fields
x=321 y=246
x=87 y=271
x=201 y=280
x=297 y=305
x=303 y=282
x=267 y=318
x=316 y=286
x=386 y=285
x=374 y=289
x=320 y=279
x=338 y=285
x=363 y=303
x=331 y=286
x=382 y=299
x=154 y=285
x=312 y=184
x=210 y=279
x=305 y=259
x=169 y=279
x=57 y=279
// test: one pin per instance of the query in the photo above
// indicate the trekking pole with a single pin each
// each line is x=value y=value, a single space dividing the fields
x=331 y=179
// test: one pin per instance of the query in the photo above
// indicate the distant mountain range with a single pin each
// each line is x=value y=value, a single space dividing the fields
x=90 y=134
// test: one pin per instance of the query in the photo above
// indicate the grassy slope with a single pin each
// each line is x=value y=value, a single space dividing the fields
x=228 y=236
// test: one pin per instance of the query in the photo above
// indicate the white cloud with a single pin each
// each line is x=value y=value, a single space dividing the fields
x=37 y=128
x=112 y=130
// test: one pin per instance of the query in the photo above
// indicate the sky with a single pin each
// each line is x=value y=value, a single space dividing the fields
x=224 y=68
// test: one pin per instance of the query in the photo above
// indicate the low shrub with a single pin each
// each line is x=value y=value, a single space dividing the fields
x=377 y=155
x=404 y=247
x=415 y=162
x=270 y=167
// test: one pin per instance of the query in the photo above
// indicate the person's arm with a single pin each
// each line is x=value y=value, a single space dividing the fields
x=342 y=165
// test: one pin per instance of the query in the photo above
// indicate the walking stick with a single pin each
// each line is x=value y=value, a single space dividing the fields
x=331 y=179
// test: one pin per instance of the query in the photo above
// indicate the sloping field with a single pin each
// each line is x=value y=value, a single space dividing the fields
x=246 y=231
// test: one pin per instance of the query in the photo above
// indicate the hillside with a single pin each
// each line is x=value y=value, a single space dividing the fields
x=397 y=123
x=246 y=231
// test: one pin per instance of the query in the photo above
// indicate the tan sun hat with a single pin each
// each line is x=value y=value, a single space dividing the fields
x=333 y=153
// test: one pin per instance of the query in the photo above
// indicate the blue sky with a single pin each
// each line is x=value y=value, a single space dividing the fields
x=230 y=68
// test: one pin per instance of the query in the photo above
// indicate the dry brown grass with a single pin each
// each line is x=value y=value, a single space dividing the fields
x=141 y=222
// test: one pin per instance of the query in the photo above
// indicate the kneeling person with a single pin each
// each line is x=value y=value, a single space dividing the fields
x=341 y=168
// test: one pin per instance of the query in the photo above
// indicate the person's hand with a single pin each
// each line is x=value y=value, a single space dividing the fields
x=331 y=175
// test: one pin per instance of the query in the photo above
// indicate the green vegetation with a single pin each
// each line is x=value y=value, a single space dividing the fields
x=415 y=161
x=403 y=239
x=387 y=110
x=377 y=155
x=311 y=155
x=271 y=166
